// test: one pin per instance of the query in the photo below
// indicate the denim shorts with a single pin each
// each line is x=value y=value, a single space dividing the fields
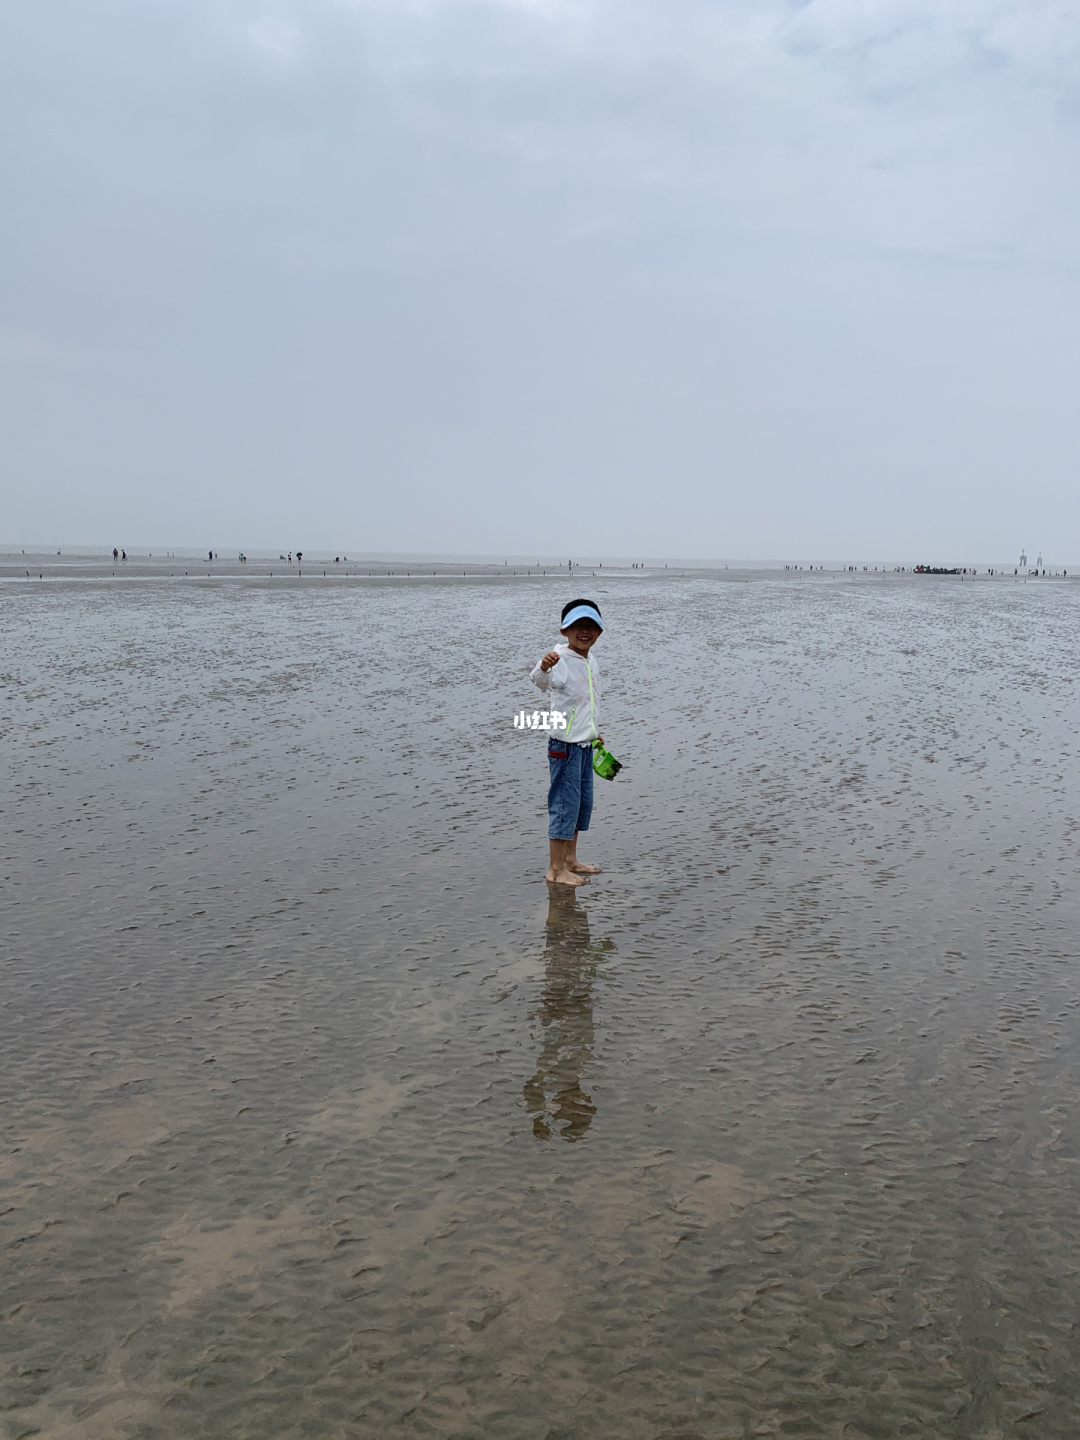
x=570 y=795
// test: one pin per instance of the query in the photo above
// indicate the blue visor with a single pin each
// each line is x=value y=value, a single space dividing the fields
x=583 y=612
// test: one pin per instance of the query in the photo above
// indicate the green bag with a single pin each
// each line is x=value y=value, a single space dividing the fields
x=604 y=763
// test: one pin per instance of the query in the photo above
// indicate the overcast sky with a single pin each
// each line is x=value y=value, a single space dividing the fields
x=742 y=278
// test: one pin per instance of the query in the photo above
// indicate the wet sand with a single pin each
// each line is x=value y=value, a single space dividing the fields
x=323 y=1118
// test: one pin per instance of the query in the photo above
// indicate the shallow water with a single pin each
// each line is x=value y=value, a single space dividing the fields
x=323 y=1119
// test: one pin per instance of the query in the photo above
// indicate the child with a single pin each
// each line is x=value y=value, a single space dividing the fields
x=569 y=675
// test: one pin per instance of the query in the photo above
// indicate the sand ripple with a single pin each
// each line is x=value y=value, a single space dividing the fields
x=321 y=1120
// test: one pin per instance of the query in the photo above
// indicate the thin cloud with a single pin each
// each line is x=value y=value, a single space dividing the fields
x=789 y=266
x=279 y=38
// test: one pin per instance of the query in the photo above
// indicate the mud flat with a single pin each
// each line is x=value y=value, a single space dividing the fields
x=322 y=1118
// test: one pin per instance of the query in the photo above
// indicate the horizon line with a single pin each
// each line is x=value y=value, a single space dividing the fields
x=322 y=555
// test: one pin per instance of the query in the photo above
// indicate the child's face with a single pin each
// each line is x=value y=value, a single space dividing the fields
x=582 y=635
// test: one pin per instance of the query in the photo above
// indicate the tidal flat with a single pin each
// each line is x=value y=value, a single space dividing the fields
x=324 y=1117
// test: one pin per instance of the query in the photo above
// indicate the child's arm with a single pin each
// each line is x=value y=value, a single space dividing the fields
x=549 y=673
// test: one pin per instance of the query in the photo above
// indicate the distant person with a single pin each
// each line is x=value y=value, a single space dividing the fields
x=569 y=675
x=115 y=554
x=123 y=554
x=299 y=556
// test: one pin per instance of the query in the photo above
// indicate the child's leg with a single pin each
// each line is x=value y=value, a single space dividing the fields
x=560 y=870
x=564 y=805
x=575 y=864
x=584 y=815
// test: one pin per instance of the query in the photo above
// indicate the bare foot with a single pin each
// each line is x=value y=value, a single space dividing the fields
x=565 y=877
x=581 y=869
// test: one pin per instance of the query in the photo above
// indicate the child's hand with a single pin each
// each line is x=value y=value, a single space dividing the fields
x=550 y=659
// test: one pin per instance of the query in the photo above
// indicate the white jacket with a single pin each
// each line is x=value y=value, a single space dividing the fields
x=573 y=685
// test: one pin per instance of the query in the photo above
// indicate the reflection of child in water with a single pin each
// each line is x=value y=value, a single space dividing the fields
x=554 y=1097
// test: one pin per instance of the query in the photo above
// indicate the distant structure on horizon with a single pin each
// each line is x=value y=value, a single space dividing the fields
x=1023 y=557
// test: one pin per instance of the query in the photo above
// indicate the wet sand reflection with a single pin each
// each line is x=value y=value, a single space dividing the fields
x=274 y=983
x=554 y=1097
